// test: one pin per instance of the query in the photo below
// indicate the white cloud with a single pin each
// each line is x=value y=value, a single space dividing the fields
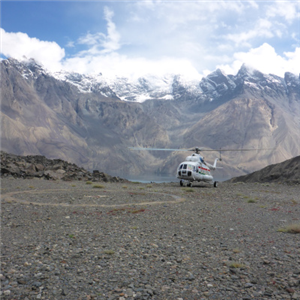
x=91 y=39
x=253 y=4
x=288 y=10
x=103 y=56
x=293 y=60
x=162 y=37
x=262 y=28
x=100 y=42
x=18 y=45
x=114 y=64
x=266 y=60
x=70 y=44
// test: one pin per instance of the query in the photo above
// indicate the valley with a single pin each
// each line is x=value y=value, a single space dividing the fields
x=91 y=121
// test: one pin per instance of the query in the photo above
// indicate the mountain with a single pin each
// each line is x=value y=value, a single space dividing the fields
x=285 y=172
x=150 y=87
x=92 y=120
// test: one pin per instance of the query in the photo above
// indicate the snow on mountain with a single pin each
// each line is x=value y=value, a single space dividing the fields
x=86 y=83
x=142 y=89
x=169 y=87
x=133 y=90
x=152 y=87
x=29 y=68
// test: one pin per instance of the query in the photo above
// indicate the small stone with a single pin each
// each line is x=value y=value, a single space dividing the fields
x=296 y=296
x=63 y=292
x=191 y=277
x=21 y=281
x=129 y=292
x=149 y=291
x=268 y=293
x=36 y=284
x=131 y=285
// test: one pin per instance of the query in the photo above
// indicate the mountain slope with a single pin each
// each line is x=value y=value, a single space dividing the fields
x=41 y=115
x=285 y=172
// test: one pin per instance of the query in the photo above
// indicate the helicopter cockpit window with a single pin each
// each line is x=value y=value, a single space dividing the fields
x=184 y=166
x=180 y=167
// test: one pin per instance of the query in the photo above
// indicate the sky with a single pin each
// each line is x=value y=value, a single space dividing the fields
x=158 y=37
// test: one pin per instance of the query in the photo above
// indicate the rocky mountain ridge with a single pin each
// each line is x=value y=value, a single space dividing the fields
x=169 y=87
x=38 y=166
x=285 y=172
x=83 y=119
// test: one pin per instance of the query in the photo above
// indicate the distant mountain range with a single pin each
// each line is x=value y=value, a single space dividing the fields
x=92 y=120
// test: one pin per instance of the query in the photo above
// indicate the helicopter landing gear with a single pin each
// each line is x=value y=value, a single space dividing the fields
x=183 y=182
x=215 y=184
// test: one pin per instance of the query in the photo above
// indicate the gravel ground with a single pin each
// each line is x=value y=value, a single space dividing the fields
x=72 y=240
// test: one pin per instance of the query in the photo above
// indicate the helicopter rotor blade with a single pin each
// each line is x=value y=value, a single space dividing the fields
x=235 y=149
x=156 y=149
x=196 y=149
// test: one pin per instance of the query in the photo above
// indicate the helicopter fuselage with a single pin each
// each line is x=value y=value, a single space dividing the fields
x=194 y=168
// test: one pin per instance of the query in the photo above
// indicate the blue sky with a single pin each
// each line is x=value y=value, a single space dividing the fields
x=134 y=38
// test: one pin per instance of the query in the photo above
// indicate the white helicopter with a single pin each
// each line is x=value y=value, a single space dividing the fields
x=194 y=168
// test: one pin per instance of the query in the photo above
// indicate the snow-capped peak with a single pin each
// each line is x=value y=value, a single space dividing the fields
x=152 y=87
x=29 y=68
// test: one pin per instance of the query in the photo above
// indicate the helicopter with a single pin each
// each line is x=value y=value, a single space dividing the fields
x=194 y=168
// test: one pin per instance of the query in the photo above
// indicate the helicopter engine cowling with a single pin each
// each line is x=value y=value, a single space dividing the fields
x=194 y=157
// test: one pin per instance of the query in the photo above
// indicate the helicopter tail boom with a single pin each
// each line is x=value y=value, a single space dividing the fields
x=214 y=166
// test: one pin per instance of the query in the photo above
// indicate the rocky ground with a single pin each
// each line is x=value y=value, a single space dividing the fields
x=84 y=240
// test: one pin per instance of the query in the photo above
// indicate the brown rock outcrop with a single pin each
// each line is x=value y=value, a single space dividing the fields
x=39 y=166
x=285 y=172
